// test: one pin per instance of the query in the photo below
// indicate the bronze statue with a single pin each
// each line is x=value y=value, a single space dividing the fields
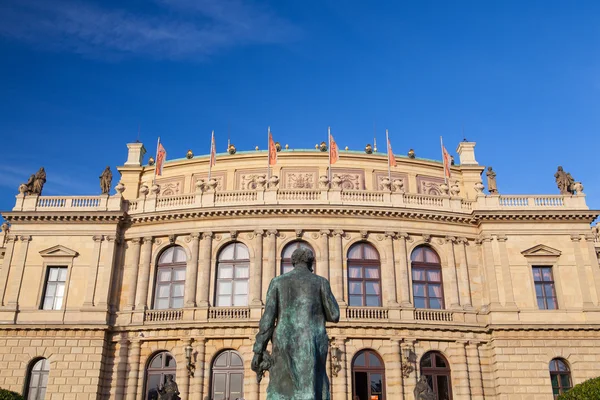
x=169 y=391
x=423 y=391
x=39 y=181
x=298 y=305
x=564 y=181
x=106 y=180
x=491 y=180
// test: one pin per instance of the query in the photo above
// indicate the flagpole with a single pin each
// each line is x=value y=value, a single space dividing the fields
x=444 y=161
x=156 y=161
x=210 y=158
x=387 y=141
x=269 y=153
x=329 y=152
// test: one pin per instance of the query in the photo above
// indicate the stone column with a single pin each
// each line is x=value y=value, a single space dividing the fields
x=6 y=267
x=121 y=366
x=144 y=274
x=464 y=280
x=17 y=281
x=132 y=273
x=103 y=295
x=183 y=378
x=474 y=367
x=269 y=262
x=197 y=386
x=390 y=271
x=403 y=271
x=509 y=295
x=134 y=370
x=581 y=273
x=453 y=284
x=323 y=268
x=92 y=276
x=256 y=275
x=462 y=387
x=191 y=273
x=490 y=271
x=336 y=271
x=204 y=266
x=593 y=262
x=394 y=372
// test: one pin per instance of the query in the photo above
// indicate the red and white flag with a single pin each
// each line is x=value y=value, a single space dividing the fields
x=334 y=154
x=213 y=151
x=447 y=162
x=272 y=150
x=391 y=158
x=161 y=156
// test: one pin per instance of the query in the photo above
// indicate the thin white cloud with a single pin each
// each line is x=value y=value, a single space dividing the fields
x=11 y=176
x=171 y=29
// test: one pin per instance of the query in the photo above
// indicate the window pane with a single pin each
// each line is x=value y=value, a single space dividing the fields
x=419 y=290
x=539 y=289
x=442 y=386
x=224 y=287
x=164 y=274
x=374 y=361
x=60 y=289
x=541 y=303
x=356 y=301
x=58 y=301
x=51 y=289
x=426 y=361
x=225 y=271
x=537 y=274
x=435 y=303
x=48 y=303
x=355 y=288
x=373 y=301
x=35 y=380
x=418 y=274
x=565 y=382
x=241 y=271
x=287 y=268
x=162 y=304
x=167 y=256
x=227 y=252
x=221 y=361
x=417 y=255
x=434 y=275
x=177 y=302
x=219 y=386
x=551 y=303
x=440 y=362
x=179 y=274
x=289 y=249
x=554 y=380
x=561 y=365
x=355 y=272
x=240 y=300
x=372 y=273
x=547 y=274
x=376 y=384
x=370 y=253
x=360 y=360
x=241 y=252
x=157 y=361
x=549 y=289
x=179 y=255
x=420 y=302
x=240 y=287
x=62 y=274
x=373 y=288
x=224 y=301
x=169 y=361
x=178 y=289
x=355 y=252
x=235 y=386
x=431 y=256
x=53 y=275
x=236 y=361
x=163 y=290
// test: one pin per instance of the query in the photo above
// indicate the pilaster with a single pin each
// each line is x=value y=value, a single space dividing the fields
x=191 y=272
x=17 y=281
x=204 y=266
x=132 y=273
x=144 y=274
x=581 y=273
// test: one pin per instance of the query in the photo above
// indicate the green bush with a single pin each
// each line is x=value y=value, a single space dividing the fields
x=588 y=390
x=8 y=395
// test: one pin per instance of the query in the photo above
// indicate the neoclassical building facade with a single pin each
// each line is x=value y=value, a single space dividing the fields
x=486 y=296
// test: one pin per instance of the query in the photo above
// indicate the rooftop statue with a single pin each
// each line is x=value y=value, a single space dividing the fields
x=423 y=390
x=39 y=181
x=564 y=181
x=491 y=179
x=29 y=184
x=298 y=305
x=106 y=180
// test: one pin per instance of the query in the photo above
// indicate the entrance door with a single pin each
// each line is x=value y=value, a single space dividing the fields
x=368 y=376
x=227 y=376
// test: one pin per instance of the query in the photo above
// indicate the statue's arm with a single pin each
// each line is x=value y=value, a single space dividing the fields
x=330 y=305
x=267 y=322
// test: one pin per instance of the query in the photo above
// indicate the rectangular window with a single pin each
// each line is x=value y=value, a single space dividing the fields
x=54 y=292
x=544 y=288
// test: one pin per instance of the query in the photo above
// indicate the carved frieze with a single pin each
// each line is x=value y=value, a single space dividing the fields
x=219 y=177
x=170 y=186
x=429 y=185
x=352 y=179
x=300 y=178
x=249 y=179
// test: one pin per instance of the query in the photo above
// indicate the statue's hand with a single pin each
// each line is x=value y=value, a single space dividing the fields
x=256 y=361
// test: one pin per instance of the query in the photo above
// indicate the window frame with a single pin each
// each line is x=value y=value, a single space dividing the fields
x=162 y=371
x=427 y=266
x=560 y=373
x=437 y=371
x=234 y=263
x=363 y=264
x=227 y=370
x=45 y=283
x=30 y=373
x=544 y=283
x=288 y=261
x=157 y=283
x=368 y=370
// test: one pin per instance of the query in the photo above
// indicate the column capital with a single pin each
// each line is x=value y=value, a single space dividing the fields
x=324 y=232
x=426 y=237
x=390 y=235
x=486 y=238
x=590 y=237
x=501 y=238
x=272 y=232
x=259 y=232
x=97 y=238
x=233 y=234
x=136 y=241
x=113 y=238
x=462 y=240
x=25 y=238
x=575 y=238
x=402 y=236
x=338 y=232
x=196 y=236
x=11 y=238
x=207 y=235
x=450 y=239
x=147 y=239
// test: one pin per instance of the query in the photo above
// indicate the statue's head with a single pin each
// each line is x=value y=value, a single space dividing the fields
x=303 y=257
x=489 y=168
x=560 y=168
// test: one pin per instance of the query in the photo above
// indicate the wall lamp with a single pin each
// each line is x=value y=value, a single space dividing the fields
x=191 y=366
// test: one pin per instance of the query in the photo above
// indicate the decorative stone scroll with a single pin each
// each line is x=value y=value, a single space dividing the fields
x=351 y=179
x=430 y=185
x=170 y=186
x=306 y=178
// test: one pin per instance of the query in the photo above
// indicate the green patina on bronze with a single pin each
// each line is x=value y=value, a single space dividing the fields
x=297 y=307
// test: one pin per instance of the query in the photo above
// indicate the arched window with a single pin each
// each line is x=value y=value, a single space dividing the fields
x=364 y=279
x=170 y=279
x=232 y=276
x=161 y=366
x=368 y=376
x=436 y=369
x=560 y=376
x=37 y=379
x=428 y=290
x=227 y=376
x=286 y=255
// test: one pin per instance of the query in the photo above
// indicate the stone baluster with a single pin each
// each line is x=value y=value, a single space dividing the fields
x=509 y=295
x=256 y=275
x=323 y=268
x=92 y=276
x=17 y=281
x=337 y=268
x=581 y=273
x=474 y=366
x=490 y=272
x=6 y=266
x=453 y=284
x=134 y=371
x=132 y=273
x=204 y=266
x=388 y=273
x=197 y=386
x=144 y=276
x=191 y=272
x=464 y=280
x=402 y=270
x=269 y=262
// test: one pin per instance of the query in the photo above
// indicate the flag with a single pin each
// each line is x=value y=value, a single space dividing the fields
x=161 y=156
x=447 y=162
x=272 y=150
x=333 y=150
x=391 y=158
x=213 y=151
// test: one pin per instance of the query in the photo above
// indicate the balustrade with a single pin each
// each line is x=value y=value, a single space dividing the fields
x=433 y=315
x=229 y=313
x=367 y=313
x=163 y=315
x=174 y=201
x=424 y=200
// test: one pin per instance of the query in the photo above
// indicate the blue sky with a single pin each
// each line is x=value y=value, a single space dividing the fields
x=78 y=77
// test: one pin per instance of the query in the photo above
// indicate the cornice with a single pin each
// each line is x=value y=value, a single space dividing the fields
x=97 y=217
x=535 y=215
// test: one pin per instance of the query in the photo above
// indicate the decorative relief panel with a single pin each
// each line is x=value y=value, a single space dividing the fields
x=352 y=179
x=429 y=185
x=170 y=186
x=379 y=175
x=219 y=177
x=305 y=178
x=246 y=179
